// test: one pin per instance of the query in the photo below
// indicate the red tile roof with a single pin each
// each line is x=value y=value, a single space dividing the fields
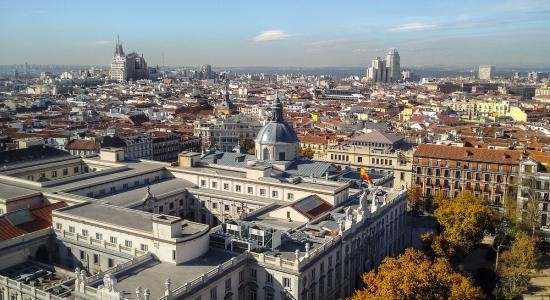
x=42 y=219
x=468 y=154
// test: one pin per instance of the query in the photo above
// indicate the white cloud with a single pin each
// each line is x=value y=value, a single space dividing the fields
x=103 y=42
x=271 y=35
x=359 y=50
x=412 y=27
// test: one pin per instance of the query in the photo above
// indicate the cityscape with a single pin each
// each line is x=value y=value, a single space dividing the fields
x=274 y=151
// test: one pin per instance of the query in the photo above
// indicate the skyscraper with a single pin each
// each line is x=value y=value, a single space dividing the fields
x=378 y=72
x=206 y=71
x=486 y=72
x=127 y=67
x=393 y=62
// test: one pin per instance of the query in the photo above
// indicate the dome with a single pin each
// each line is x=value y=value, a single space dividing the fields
x=276 y=133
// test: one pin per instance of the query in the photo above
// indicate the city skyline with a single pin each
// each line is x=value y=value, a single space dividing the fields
x=282 y=34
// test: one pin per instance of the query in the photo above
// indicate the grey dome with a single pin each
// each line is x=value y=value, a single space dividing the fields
x=275 y=133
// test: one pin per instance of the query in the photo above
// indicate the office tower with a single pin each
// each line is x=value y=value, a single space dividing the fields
x=486 y=72
x=378 y=72
x=206 y=71
x=127 y=67
x=393 y=65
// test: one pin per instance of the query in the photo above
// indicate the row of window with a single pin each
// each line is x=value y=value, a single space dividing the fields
x=249 y=190
x=465 y=165
x=125 y=186
x=54 y=174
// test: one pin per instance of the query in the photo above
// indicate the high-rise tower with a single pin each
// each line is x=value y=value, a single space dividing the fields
x=393 y=62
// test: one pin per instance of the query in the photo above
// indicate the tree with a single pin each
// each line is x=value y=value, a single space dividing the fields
x=438 y=199
x=531 y=212
x=307 y=152
x=464 y=220
x=414 y=200
x=504 y=235
x=412 y=275
x=517 y=265
x=248 y=145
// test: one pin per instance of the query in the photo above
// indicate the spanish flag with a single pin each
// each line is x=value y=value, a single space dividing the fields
x=363 y=174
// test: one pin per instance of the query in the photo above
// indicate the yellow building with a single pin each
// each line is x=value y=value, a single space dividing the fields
x=518 y=114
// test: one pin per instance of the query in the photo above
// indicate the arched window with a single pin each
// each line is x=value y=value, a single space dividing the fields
x=266 y=154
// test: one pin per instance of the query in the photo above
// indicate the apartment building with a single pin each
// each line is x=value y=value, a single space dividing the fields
x=488 y=173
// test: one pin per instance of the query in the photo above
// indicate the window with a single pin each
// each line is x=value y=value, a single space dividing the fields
x=65 y=172
x=262 y=192
x=250 y=190
x=213 y=293
x=98 y=236
x=226 y=207
x=58 y=226
x=269 y=278
x=228 y=284
x=54 y=173
x=125 y=186
x=359 y=159
x=214 y=185
x=75 y=169
x=112 y=240
x=241 y=276
x=290 y=196
x=84 y=232
x=96 y=259
x=128 y=243
x=161 y=209
x=173 y=254
x=113 y=189
x=215 y=205
x=136 y=183
x=171 y=205
x=238 y=188
x=286 y=283
x=82 y=254
x=226 y=186
x=253 y=274
x=144 y=247
x=274 y=194
x=203 y=182
x=110 y=263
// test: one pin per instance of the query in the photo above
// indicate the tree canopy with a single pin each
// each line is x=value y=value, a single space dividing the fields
x=464 y=220
x=413 y=275
x=517 y=265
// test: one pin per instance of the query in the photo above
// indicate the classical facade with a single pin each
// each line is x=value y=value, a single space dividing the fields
x=379 y=153
x=216 y=225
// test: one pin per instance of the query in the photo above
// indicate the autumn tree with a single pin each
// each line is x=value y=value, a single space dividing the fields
x=412 y=275
x=437 y=199
x=307 y=152
x=464 y=221
x=414 y=200
x=248 y=145
x=517 y=265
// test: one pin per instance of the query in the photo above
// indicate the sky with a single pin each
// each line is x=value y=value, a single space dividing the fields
x=294 y=33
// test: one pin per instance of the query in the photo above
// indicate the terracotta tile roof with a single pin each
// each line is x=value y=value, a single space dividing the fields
x=468 y=154
x=42 y=219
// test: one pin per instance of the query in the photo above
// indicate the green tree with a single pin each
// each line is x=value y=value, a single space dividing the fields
x=412 y=275
x=517 y=265
x=464 y=221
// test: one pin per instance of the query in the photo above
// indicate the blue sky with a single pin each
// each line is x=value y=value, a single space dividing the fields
x=278 y=33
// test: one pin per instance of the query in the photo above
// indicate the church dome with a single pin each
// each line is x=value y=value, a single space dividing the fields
x=274 y=133
x=277 y=140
